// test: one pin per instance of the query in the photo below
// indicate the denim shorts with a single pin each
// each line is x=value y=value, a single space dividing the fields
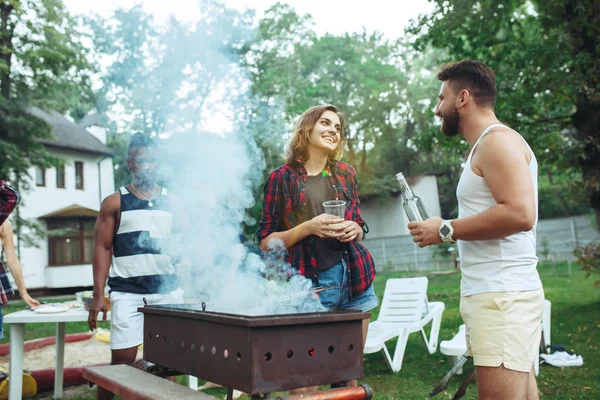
x=339 y=297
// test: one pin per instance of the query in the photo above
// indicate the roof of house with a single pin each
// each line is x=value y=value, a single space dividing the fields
x=90 y=120
x=74 y=210
x=69 y=135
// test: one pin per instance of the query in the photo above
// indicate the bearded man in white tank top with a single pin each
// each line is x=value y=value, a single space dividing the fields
x=501 y=292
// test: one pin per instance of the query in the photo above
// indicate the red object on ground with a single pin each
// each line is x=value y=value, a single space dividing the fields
x=73 y=376
x=47 y=341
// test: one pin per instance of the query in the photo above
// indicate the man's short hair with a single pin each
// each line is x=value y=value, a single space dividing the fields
x=140 y=139
x=475 y=76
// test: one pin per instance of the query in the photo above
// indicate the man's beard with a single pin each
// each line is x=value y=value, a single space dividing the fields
x=450 y=123
x=144 y=179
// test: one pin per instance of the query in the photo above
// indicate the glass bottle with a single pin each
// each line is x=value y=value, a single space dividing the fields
x=413 y=205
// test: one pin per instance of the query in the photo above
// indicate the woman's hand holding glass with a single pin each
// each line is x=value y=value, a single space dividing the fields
x=351 y=231
x=327 y=226
x=330 y=226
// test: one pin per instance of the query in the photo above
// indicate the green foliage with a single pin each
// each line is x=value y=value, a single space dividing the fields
x=43 y=64
x=588 y=258
x=383 y=88
x=545 y=57
x=161 y=77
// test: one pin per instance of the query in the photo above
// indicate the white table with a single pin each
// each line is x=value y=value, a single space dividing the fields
x=17 y=321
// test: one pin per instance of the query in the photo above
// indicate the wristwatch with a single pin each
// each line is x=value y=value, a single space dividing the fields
x=446 y=231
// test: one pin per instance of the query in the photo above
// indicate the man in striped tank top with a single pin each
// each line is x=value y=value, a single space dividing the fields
x=502 y=298
x=132 y=231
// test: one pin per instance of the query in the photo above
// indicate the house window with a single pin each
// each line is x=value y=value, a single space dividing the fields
x=71 y=241
x=40 y=176
x=60 y=177
x=78 y=175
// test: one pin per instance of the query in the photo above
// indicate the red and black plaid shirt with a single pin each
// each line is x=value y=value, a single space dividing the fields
x=285 y=206
x=9 y=198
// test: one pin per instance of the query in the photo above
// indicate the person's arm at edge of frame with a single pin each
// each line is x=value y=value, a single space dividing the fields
x=506 y=173
x=105 y=232
x=13 y=263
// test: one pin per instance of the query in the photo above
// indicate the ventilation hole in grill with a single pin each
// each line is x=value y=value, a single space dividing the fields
x=193 y=346
x=225 y=354
x=311 y=351
x=164 y=339
x=350 y=347
x=149 y=336
x=202 y=348
x=183 y=344
x=268 y=357
x=331 y=349
x=172 y=342
x=290 y=353
x=239 y=356
x=214 y=350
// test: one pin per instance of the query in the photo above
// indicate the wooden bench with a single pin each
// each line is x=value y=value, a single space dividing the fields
x=134 y=384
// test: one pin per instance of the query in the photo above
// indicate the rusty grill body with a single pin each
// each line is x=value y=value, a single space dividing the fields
x=256 y=354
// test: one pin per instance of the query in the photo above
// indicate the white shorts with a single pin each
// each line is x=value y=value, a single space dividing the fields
x=127 y=323
x=503 y=328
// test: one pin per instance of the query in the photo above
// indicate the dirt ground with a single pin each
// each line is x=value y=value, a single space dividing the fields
x=77 y=354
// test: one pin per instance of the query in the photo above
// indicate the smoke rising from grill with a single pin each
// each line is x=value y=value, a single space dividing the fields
x=173 y=82
x=214 y=176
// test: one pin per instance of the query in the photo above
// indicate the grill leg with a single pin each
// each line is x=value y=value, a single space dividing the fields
x=229 y=393
x=362 y=392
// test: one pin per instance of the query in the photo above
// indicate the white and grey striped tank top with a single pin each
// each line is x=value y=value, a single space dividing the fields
x=140 y=262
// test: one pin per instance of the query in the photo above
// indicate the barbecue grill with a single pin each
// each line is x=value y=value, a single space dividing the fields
x=255 y=354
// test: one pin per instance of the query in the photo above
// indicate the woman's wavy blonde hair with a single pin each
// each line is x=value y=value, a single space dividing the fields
x=297 y=147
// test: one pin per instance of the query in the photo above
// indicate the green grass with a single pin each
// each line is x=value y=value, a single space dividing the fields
x=575 y=324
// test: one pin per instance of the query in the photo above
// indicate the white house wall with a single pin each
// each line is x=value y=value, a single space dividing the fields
x=386 y=217
x=98 y=132
x=43 y=200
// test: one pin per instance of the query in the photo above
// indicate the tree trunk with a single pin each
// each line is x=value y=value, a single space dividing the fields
x=587 y=122
x=586 y=119
x=6 y=48
x=351 y=153
x=363 y=160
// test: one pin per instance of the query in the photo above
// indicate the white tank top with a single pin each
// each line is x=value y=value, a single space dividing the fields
x=499 y=265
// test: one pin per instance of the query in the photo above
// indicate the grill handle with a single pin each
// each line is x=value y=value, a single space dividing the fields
x=362 y=392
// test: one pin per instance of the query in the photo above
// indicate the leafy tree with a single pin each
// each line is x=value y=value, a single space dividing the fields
x=376 y=83
x=43 y=64
x=162 y=76
x=588 y=258
x=545 y=57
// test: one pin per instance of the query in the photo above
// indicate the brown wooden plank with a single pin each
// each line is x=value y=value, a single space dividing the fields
x=134 y=384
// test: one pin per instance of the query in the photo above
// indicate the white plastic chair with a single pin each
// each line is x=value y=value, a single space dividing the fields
x=457 y=346
x=404 y=310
